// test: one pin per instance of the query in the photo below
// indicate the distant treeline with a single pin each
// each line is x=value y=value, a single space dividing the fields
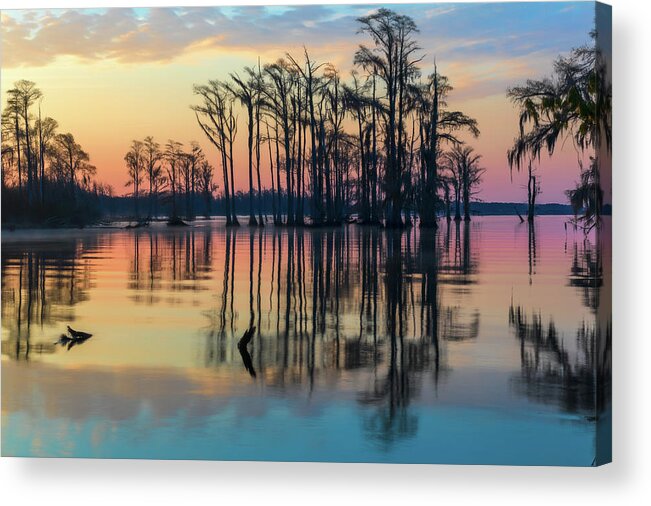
x=122 y=207
x=513 y=208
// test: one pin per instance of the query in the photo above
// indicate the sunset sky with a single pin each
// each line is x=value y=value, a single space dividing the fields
x=113 y=75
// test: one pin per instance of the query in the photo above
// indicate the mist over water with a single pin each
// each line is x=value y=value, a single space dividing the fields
x=475 y=343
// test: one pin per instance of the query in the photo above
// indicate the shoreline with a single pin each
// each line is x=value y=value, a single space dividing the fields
x=161 y=224
x=478 y=209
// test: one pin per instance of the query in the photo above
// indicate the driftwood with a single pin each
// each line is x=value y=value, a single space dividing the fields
x=519 y=215
x=176 y=222
x=73 y=338
x=77 y=334
x=244 y=352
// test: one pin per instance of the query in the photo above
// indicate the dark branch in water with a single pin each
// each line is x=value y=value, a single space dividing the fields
x=244 y=352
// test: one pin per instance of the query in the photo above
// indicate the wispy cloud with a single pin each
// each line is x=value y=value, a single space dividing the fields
x=438 y=11
x=39 y=37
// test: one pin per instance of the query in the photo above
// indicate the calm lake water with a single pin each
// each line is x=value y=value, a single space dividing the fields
x=472 y=344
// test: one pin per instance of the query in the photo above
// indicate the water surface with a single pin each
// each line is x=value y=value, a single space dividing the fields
x=471 y=344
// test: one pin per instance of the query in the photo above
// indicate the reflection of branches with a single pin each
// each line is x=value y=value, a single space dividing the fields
x=458 y=263
x=175 y=260
x=70 y=342
x=318 y=281
x=586 y=273
x=532 y=249
x=215 y=344
x=549 y=373
x=391 y=420
x=392 y=394
x=41 y=284
x=455 y=328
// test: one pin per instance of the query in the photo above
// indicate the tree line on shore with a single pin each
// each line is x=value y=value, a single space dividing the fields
x=403 y=155
x=47 y=176
x=381 y=145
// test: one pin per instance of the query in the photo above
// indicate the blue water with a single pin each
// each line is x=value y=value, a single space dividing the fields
x=451 y=435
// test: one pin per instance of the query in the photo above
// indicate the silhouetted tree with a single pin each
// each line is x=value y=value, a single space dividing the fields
x=189 y=167
x=587 y=196
x=135 y=159
x=358 y=104
x=533 y=190
x=248 y=93
x=393 y=61
x=437 y=126
x=173 y=156
x=11 y=131
x=73 y=161
x=278 y=98
x=46 y=128
x=574 y=103
x=466 y=173
x=205 y=184
x=24 y=95
x=215 y=117
x=312 y=85
x=153 y=157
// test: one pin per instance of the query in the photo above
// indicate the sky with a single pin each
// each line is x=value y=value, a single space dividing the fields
x=113 y=75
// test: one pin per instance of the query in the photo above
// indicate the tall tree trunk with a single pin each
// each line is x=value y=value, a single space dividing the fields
x=363 y=183
x=288 y=162
x=466 y=192
x=187 y=192
x=173 y=185
x=303 y=170
x=193 y=178
x=252 y=220
x=279 y=218
x=227 y=200
x=317 y=212
x=428 y=207
x=41 y=157
x=273 y=186
x=227 y=182
x=28 y=149
x=20 y=165
x=532 y=190
x=257 y=163
x=135 y=195
x=299 y=162
x=234 y=219
x=394 y=216
x=374 y=174
x=151 y=191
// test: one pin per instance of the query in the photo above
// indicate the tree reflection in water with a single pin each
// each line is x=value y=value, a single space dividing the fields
x=326 y=304
x=317 y=281
x=570 y=377
x=586 y=272
x=41 y=285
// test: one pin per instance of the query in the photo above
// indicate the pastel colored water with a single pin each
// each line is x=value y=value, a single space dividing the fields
x=474 y=344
